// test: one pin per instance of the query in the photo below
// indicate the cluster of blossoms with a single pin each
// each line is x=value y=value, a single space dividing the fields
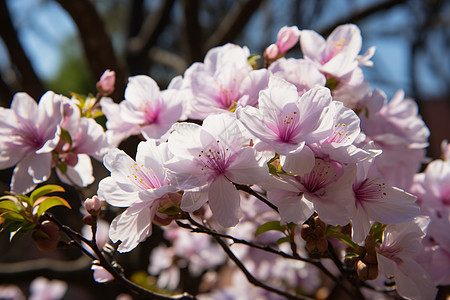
x=328 y=156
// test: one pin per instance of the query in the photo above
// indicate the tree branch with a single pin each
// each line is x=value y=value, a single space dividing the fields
x=139 y=46
x=249 y=276
x=358 y=16
x=250 y=191
x=111 y=269
x=192 y=37
x=233 y=23
x=28 y=78
x=96 y=42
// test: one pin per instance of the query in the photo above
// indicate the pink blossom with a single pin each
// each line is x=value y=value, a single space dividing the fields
x=86 y=138
x=287 y=37
x=224 y=81
x=43 y=289
x=207 y=160
x=106 y=83
x=286 y=122
x=318 y=185
x=377 y=201
x=101 y=275
x=300 y=72
x=140 y=186
x=29 y=133
x=337 y=54
x=397 y=259
x=271 y=52
x=400 y=132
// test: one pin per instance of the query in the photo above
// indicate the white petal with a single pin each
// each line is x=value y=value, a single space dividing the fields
x=193 y=200
x=224 y=202
x=245 y=168
x=109 y=191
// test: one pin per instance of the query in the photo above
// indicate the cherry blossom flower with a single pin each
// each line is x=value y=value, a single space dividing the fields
x=320 y=185
x=302 y=73
x=224 y=81
x=397 y=259
x=287 y=37
x=141 y=186
x=337 y=55
x=286 y=122
x=145 y=110
x=43 y=289
x=72 y=155
x=400 y=132
x=30 y=132
x=207 y=160
x=377 y=201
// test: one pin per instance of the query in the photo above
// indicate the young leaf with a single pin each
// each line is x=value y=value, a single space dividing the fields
x=9 y=205
x=272 y=225
x=49 y=202
x=44 y=190
x=343 y=238
x=283 y=240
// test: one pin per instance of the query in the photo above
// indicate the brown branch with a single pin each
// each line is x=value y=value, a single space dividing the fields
x=96 y=42
x=28 y=78
x=232 y=25
x=139 y=46
x=358 y=16
x=168 y=59
x=192 y=37
x=249 y=276
x=108 y=266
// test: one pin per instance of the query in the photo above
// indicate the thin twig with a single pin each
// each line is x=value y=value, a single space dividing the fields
x=250 y=191
x=203 y=229
x=249 y=276
x=112 y=270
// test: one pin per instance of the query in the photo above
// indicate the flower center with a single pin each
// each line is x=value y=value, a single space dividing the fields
x=216 y=158
x=144 y=178
x=321 y=175
x=286 y=128
x=339 y=134
x=368 y=191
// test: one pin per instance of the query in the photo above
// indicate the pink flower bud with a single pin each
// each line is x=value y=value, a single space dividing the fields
x=70 y=159
x=271 y=52
x=46 y=236
x=105 y=85
x=93 y=205
x=287 y=37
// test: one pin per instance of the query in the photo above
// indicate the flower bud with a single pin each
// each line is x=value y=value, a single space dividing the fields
x=366 y=271
x=46 y=236
x=287 y=37
x=70 y=159
x=271 y=53
x=105 y=85
x=93 y=205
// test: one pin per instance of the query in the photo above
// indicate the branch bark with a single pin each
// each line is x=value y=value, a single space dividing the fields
x=29 y=81
x=233 y=23
x=358 y=16
x=96 y=42
x=140 y=45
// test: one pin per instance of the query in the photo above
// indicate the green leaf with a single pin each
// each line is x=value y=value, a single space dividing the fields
x=283 y=240
x=343 y=238
x=332 y=83
x=171 y=210
x=49 y=202
x=65 y=136
x=12 y=216
x=10 y=205
x=272 y=225
x=62 y=167
x=252 y=60
x=272 y=170
x=44 y=190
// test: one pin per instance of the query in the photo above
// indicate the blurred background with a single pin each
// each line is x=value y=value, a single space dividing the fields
x=65 y=46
